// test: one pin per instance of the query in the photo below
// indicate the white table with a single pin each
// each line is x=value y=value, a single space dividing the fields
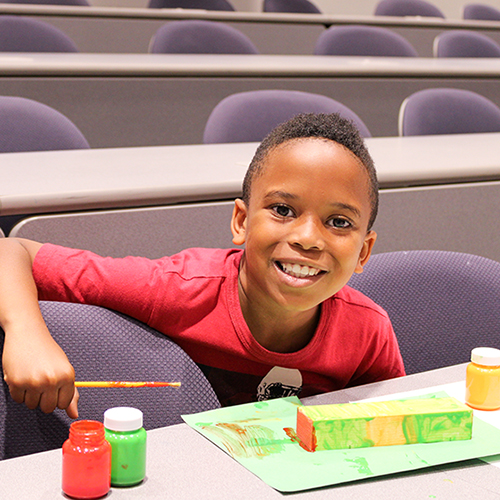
x=184 y=465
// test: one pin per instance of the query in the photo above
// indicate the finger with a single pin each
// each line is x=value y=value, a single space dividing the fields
x=72 y=409
x=48 y=401
x=32 y=399
x=16 y=389
x=17 y=394
x=66 y=395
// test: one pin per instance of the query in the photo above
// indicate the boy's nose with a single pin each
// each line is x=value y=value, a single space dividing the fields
x=308 y=234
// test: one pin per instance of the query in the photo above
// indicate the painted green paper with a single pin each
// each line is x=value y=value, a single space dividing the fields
x=261 y=437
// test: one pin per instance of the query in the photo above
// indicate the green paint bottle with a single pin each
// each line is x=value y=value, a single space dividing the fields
x=127 y=437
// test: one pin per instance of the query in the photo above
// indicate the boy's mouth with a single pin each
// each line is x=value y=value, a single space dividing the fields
x=298 y=271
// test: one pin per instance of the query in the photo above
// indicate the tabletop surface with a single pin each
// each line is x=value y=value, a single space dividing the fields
x=228 y=65
x=126 y=177
x=183 y=464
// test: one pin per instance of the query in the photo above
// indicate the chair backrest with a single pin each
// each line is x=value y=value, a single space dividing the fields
x=447 y=111
x=105 y=345
x=441 y=304
x=481 y=11
x=465 y=43
x=298 y=6
x=27 y=125
x=200 y=37
x=191 y=4
x=363 y=41
x=250 y=116
x=22 y=34
x=403 y=8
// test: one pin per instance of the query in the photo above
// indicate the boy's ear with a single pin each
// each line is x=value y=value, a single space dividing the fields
x=366 y=251
x=239 y=222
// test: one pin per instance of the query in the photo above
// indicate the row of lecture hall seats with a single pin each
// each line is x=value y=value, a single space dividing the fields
x=200 y=36
x=397 y=8
x=27 y=125
x=18 y=34
x=429 y=296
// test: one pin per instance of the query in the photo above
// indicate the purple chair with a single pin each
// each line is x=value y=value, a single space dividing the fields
x=200 y=37
x=298 y=6
x=465 y=43
x=105 y=345
x=250 y=116
x=27 y=125
x=481 y=12
x=402 y=8
x=441 y=304
x=447 y=111
x=22 y=34
x=191 y=4
x=363 y=41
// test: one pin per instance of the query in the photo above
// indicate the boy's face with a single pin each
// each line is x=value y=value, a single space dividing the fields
x=305 y=228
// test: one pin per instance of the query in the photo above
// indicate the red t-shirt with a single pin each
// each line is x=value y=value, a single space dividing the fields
x=193 y=298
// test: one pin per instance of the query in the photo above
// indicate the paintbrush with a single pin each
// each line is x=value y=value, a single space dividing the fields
x=126 y=384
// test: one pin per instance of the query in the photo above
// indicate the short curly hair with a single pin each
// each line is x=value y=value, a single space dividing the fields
x=331 y=127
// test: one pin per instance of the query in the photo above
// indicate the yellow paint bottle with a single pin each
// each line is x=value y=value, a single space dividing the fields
x=482 y=383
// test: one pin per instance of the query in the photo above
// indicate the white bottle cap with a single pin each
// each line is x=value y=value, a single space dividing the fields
x=486 y=356
x=123 y=419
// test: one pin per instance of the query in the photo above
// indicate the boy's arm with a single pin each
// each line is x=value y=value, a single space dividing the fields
x=35 y=368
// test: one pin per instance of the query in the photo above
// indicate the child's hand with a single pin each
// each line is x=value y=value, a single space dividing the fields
x=38 y=373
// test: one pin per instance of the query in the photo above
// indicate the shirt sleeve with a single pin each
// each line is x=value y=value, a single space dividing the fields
x=127 y=285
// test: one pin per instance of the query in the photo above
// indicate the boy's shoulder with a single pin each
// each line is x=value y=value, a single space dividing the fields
x=356 y=299
x=206 y=261
x=190 y=262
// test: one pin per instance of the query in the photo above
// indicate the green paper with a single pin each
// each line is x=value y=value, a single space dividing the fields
x=260 y=436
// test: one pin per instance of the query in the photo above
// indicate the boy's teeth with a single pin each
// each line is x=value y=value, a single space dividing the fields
x=299 y=271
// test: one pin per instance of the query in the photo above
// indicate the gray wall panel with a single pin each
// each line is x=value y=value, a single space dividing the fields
x=460 y=218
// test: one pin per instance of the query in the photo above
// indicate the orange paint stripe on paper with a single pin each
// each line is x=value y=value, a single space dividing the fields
x=126 y=384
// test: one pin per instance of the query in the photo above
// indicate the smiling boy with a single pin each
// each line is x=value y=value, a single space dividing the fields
x=275 y=319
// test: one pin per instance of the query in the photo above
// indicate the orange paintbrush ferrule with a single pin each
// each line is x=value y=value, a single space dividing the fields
x=126 y=384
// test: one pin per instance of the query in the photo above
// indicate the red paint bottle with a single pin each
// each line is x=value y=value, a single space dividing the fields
x=86 y=464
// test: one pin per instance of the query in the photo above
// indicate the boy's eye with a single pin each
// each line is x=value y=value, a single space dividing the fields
x=283 y=211
x=339 y=223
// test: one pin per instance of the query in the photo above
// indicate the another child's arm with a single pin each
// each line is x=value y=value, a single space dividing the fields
x=35 y=368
